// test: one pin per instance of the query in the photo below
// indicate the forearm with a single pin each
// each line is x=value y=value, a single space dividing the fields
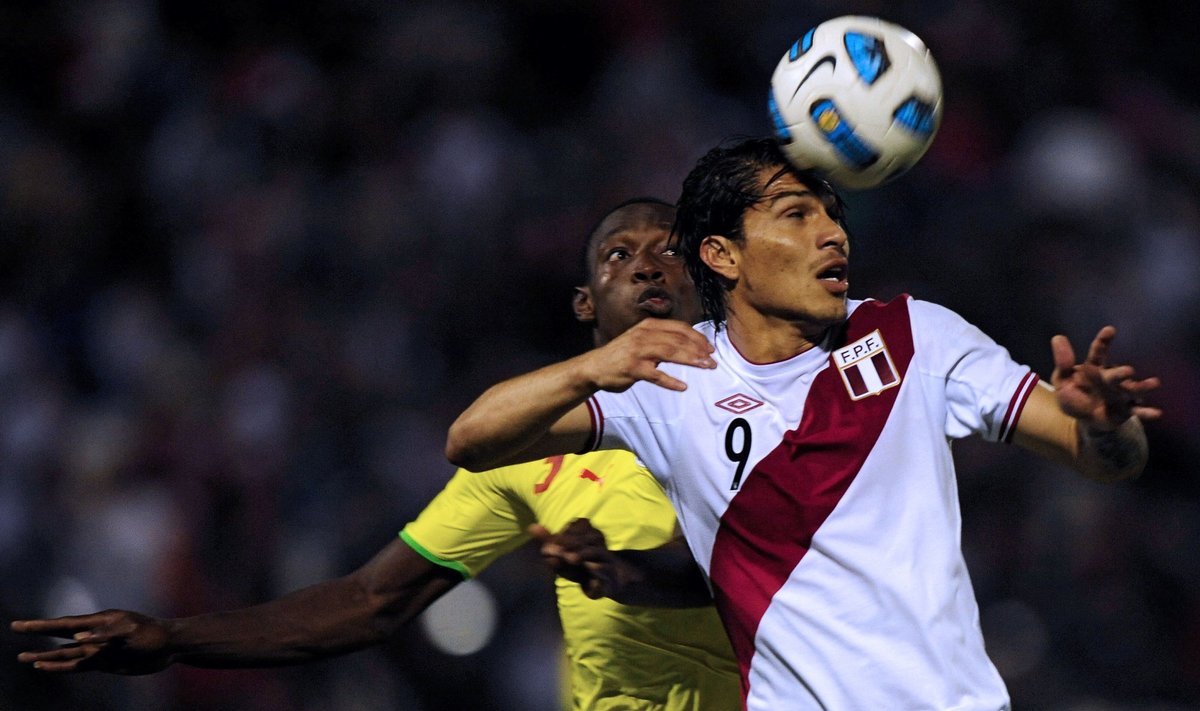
x=1112 y=455
x=506 y=421
x=663 y=577
x=324 y=620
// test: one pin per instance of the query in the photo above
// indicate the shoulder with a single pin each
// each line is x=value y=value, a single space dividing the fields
x=497 y=481
x=924 y=315
x=608 y=459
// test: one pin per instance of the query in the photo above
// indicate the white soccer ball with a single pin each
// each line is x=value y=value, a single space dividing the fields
x=857 y=99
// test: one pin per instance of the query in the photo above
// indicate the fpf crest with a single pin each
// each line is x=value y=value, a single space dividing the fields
x=866 y=366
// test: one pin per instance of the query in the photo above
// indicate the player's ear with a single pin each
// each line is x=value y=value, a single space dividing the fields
x=720 y=255
x=583 y=306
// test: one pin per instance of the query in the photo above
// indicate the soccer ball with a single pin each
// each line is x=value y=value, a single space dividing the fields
x=857 y=99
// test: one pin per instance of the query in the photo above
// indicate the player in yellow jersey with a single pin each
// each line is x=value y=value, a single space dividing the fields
x=619 y=657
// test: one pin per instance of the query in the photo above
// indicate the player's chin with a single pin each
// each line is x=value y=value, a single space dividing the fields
x=831 y=310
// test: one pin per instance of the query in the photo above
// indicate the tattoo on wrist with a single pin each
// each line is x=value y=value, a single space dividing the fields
x=1115 y=447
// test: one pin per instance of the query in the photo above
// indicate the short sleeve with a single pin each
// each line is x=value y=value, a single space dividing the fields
x=984 y=388
x=470 y=523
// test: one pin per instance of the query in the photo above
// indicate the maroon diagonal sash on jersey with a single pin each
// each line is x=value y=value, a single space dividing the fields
x=770 y=523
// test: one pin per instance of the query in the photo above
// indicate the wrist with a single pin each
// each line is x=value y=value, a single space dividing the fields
x=585 y=374
x=1104 y=428
x=1115 y=454
x=175 y=643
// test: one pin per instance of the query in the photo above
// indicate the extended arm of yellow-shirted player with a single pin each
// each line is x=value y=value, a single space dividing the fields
x=323 y=620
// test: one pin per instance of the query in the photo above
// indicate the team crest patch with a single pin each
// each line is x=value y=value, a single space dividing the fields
x=737 y=404
x=866 y=366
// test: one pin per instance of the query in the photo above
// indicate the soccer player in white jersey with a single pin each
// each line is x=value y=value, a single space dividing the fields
x=617 y=656
x=804 y=438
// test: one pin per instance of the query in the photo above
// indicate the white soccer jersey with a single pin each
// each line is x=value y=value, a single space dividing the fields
x=819 y=496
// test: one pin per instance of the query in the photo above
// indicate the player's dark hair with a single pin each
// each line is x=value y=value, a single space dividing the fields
x=586 y=256
x=718 y=191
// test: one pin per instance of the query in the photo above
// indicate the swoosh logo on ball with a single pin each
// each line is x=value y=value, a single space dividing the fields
x=829 y=58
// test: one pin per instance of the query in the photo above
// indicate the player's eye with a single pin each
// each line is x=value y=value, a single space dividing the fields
x=804 y=209
x=617 y=254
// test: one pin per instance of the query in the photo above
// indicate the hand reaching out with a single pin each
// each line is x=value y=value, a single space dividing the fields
x=1097 y=394
x=115 y=641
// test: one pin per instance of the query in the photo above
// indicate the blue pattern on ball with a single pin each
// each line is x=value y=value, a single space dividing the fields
x=868 y=55
x=916 y=116
x=841 y=135
x=781 y=129
x=802 y=45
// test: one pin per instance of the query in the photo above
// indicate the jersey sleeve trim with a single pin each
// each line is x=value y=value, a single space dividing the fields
x=436 y=560
x=1016 y=405
x=597 y=417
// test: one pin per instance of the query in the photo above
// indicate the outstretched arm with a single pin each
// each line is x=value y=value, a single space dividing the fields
x=1092 y=419
x=542 y=413
x=666 y=576
x=323 y=620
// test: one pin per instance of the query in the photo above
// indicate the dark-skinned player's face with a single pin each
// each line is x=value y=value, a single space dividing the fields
x=635 y=274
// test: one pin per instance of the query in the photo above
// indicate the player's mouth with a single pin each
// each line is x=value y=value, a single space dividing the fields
x=656 y=301
x=835 y=276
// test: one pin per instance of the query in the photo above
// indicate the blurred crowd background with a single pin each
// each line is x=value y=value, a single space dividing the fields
x=256 y=256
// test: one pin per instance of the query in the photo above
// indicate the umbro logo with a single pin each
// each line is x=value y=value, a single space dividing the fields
x=737 y=404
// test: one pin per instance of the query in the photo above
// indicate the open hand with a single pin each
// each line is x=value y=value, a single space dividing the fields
x=1097 y=394
x=114 y=641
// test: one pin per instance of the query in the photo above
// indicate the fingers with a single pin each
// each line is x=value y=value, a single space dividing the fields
x=60 y=667
x=1120 y=384
x=579 y=553
x=661 y=379
x=677 y=344
x=1098 y=352
x=1140 y=387
x=637 y=353
x=60 y=654
x=1143 y=412
x=65 y=627
x=1136 y=389
x=538 y=532
x=1064 y=355
x=597 y=587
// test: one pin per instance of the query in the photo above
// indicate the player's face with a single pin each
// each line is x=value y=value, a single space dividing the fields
x=636 y=276
x=793 y=262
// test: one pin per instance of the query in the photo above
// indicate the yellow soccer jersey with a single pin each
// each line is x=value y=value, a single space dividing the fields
x=619 y=657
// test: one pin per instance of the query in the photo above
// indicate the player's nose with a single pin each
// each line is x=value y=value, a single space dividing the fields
x=834 y=237
x=647 y=268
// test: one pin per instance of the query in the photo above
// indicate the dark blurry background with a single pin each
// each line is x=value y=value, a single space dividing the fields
x=255 y=257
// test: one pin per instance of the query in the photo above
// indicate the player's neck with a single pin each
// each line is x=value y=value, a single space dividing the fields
x=765 y=339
